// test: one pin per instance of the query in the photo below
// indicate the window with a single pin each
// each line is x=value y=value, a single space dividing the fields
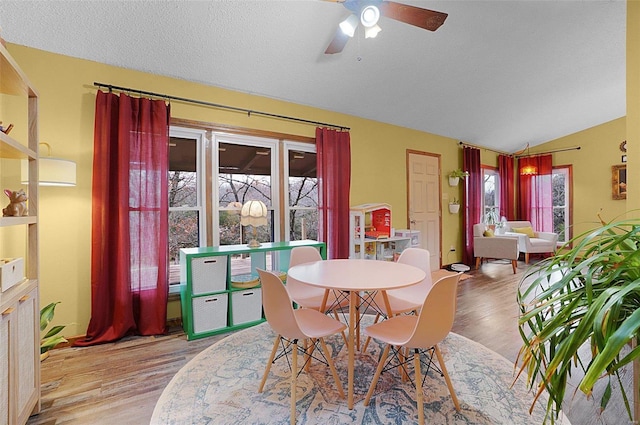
x=302 y=192
x=491 y=188
x=246 y=172
x=561 y=180
x=211 y=172
x=187 y=226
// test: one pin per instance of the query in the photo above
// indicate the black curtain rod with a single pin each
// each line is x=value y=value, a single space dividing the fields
x=575 y=148
x=463 y=144
x=217 y=105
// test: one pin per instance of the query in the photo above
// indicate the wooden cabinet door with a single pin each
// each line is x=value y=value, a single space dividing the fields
x=27 y=361
x=6 y=317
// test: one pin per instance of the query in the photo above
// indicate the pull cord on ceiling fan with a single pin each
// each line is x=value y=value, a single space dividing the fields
x=369 y=12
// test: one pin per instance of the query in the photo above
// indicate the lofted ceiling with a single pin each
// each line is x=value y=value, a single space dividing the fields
x=498 y=74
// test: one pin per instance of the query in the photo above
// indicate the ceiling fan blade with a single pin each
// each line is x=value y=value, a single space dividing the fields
x=338 y=42
x=416 y=16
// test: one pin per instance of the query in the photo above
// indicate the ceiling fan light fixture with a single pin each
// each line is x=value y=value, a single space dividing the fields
x=349 y=25
x=369 y=16
x=371 y=32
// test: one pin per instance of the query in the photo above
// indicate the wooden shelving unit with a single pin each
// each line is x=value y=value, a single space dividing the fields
x=210 y=302
x=19 y=305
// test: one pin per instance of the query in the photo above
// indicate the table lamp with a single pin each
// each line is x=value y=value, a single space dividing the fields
x=254 y=213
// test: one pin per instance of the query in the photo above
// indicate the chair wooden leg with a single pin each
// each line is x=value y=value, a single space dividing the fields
x=526 y=258
x=344 y=335
x=514 y=265
x=447 y=379
x=374 y=382
x=403 y=354
x=366 y=343
x=478 y=260
x=418 y=379
x=294 y=378
x=269 y=362
x=332 y=367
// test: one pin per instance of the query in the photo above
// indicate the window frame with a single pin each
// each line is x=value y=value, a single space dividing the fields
x=245 y=140
x=288 y=146
x=200 y=137
x=493 y=171
x=568 y=171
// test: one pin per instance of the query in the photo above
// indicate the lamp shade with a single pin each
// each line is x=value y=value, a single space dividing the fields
x=51 y=172
x=253 y=213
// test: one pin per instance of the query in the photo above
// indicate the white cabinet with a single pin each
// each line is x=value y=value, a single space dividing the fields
x=19 y=304
x=19 y=354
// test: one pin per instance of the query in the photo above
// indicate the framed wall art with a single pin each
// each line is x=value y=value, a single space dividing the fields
x=619 y=181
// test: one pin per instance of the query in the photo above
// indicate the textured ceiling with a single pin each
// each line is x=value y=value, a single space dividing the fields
x=497 y=73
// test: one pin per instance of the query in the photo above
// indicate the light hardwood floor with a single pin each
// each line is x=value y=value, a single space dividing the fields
x=119 y=383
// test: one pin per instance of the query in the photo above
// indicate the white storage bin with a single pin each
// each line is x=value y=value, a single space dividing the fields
x=246 y=306
x=208 y=274
x=11 y=272
x=209 y=313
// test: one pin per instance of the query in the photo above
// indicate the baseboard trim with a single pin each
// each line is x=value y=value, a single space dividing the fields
x=174 y=322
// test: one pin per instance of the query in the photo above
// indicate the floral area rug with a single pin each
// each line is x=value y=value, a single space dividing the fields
x=220 y=386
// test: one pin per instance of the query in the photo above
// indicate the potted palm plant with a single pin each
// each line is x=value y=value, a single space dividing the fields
x=589 y=294
x=456 y=175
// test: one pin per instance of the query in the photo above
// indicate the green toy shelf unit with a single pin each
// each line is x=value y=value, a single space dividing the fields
x=219 y=286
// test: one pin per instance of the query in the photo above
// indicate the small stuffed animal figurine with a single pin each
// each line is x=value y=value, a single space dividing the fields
x=17 y=203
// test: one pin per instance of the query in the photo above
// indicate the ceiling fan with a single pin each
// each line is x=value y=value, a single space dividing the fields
x=368 y=12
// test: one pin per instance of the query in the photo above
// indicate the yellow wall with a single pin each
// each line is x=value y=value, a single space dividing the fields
x=600 y=147
x=633 y=104
x=67 y=99
x=591 y=171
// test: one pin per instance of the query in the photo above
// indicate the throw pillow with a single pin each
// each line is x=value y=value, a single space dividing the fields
x=488 y=233
x=526 y=230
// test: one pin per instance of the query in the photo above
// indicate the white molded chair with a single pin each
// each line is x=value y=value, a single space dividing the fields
x=293 y=326
x=308 y=296
x=421 y=334
x=410 y=298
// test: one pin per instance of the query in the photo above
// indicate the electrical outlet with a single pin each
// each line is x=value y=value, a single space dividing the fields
x=452 y=249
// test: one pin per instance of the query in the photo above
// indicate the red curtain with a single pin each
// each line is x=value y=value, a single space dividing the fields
x=536 y=192
x=333 y=152
x=473 y=199
x=507 y=186
x=129 y=242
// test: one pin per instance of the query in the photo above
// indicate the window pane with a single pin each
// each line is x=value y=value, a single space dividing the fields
x=244 y=174
x=559 y=219
x=184 y=229
x=560 y=187
x=184 y=211
x=489 y=190
x=230 y=228
x=183 y=185
x=303 y=192
x=303 y=224
x=303 y=195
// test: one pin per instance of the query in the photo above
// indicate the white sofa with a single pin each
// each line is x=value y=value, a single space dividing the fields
x=542 y=243
x=498 y=247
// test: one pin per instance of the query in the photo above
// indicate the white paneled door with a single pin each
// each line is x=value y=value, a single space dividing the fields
x=423 y=176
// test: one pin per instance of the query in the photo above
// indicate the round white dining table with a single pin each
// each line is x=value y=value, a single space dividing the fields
x=354 y=276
